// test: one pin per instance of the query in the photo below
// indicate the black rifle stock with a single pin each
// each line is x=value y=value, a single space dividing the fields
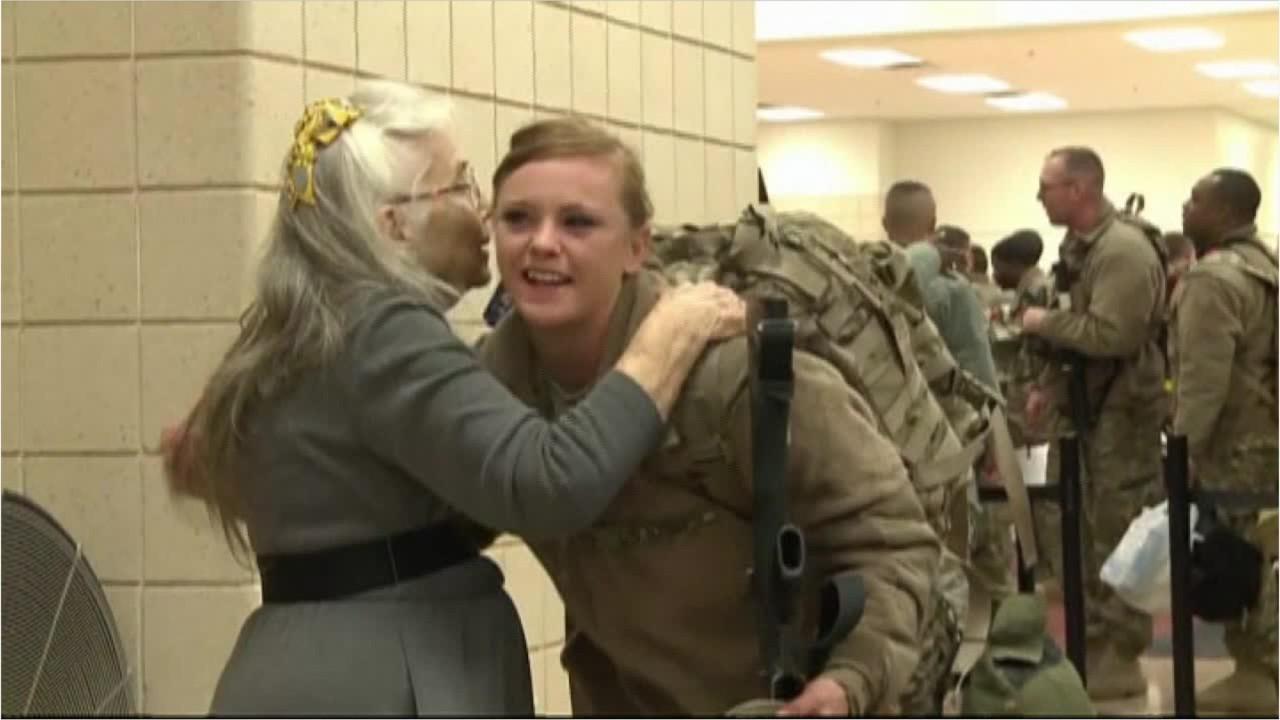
x=779 y=550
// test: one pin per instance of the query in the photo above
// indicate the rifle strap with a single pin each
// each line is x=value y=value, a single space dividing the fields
x=977 y=625
x=1015 y=487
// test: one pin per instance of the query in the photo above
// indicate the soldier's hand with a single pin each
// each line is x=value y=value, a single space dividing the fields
x=822 y=697
x=1037 y=403
x=1033 y=319
x=989 y=475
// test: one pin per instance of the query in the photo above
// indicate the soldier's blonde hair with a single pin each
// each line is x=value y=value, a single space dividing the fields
x=324 y=248
x=575 y=138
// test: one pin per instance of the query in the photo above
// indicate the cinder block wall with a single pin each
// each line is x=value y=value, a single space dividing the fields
x=141 y=142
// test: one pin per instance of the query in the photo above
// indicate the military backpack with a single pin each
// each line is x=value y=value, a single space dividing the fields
x=855 y=309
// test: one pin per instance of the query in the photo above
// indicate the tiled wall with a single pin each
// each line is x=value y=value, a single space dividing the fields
x=140 y=150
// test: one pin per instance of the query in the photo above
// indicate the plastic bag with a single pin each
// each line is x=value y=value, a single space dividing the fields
x=1138 y=569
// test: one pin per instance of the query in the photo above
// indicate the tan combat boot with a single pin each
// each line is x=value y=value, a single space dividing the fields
x=1249 y=690
x=1112 y=676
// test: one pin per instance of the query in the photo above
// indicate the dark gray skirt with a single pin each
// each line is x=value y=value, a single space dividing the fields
x=446 y=644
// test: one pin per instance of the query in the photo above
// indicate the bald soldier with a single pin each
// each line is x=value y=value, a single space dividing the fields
x=1224 y=342
x=659 y=615
x=936 y=254
x=1110 y=307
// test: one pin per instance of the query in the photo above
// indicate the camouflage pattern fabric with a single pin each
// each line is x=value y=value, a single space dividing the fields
x=939 y=639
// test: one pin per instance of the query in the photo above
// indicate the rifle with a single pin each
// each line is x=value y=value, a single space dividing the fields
x=779 y=554
x=779 y=550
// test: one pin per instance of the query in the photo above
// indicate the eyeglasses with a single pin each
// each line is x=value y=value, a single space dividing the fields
x=464 y=183
x=1046 y=187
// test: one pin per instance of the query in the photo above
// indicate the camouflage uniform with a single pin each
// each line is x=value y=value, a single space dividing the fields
x=1111 y=317
x=1020 y=360
x=989 y=294
x=857 y=301
x=660 y=619
x=1224 y=342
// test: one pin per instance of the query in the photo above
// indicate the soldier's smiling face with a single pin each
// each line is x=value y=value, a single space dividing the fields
x=564 y=241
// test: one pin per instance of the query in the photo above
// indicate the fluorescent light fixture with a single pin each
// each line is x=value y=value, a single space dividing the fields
x=786 y=113
x=1239 y=69
x=1263 y=88
x=963 y=84
x=1175 y=39
x=870 y=57
x=1027 y=102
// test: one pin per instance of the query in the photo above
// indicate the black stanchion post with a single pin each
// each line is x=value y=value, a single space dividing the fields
x=1184 y=654
x=1026 y=575
x=1072 y=566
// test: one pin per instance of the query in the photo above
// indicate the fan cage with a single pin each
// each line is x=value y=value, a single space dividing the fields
x=62 y=653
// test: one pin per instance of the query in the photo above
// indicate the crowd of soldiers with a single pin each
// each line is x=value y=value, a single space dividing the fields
x=1173 y=333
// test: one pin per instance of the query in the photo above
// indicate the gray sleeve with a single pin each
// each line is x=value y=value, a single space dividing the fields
x=925 y=261
x=977 y=346
x=422 y=402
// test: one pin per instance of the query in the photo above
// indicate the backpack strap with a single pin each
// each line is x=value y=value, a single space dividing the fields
x=977 y=625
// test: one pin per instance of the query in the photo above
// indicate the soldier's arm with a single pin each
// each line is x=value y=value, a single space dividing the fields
x=849 y=492
x=1209 y=328
x=1117 y=321
x=977 y=347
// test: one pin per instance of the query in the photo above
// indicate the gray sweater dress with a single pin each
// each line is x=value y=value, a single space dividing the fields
x=405 y=430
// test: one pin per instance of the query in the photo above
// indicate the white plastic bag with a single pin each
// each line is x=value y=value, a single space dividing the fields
x=1138 y=569
x=1034 y=461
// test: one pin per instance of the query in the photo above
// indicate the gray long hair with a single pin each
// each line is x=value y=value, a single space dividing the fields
x=317 y=259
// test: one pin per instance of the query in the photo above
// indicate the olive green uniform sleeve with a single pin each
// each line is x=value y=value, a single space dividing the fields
x=1209 y=328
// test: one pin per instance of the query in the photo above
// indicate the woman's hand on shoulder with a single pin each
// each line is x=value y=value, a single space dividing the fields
x=703 y=306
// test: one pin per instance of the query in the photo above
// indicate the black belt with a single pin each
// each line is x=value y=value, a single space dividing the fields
x=338 y=572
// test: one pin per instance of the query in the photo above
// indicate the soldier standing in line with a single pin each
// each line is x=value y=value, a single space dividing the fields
x=1224 y=342
x=1021 y=358
x=1105 y=333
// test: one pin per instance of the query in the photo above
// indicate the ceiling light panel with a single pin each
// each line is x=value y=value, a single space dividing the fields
x=1180 y=39
x=963 y=84
x=1263 y=88
x=870 y=57
x=786 y=113
x=1028 y=102
x=1239 y=69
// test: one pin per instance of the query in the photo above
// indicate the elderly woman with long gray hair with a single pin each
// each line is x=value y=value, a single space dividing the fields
x=347 y=430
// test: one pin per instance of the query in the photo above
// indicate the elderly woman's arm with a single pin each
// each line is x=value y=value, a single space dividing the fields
x=423 y=402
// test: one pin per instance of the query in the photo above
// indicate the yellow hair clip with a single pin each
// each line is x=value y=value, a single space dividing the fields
x=322 y=122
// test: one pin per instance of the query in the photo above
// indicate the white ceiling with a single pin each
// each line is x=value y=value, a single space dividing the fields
x=805 y=19
x=1086 y=61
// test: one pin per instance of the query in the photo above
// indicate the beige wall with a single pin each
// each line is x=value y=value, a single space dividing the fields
x=984 y=171
x=141 y=144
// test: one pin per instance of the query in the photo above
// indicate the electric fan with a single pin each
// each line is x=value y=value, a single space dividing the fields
x=62 y=654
